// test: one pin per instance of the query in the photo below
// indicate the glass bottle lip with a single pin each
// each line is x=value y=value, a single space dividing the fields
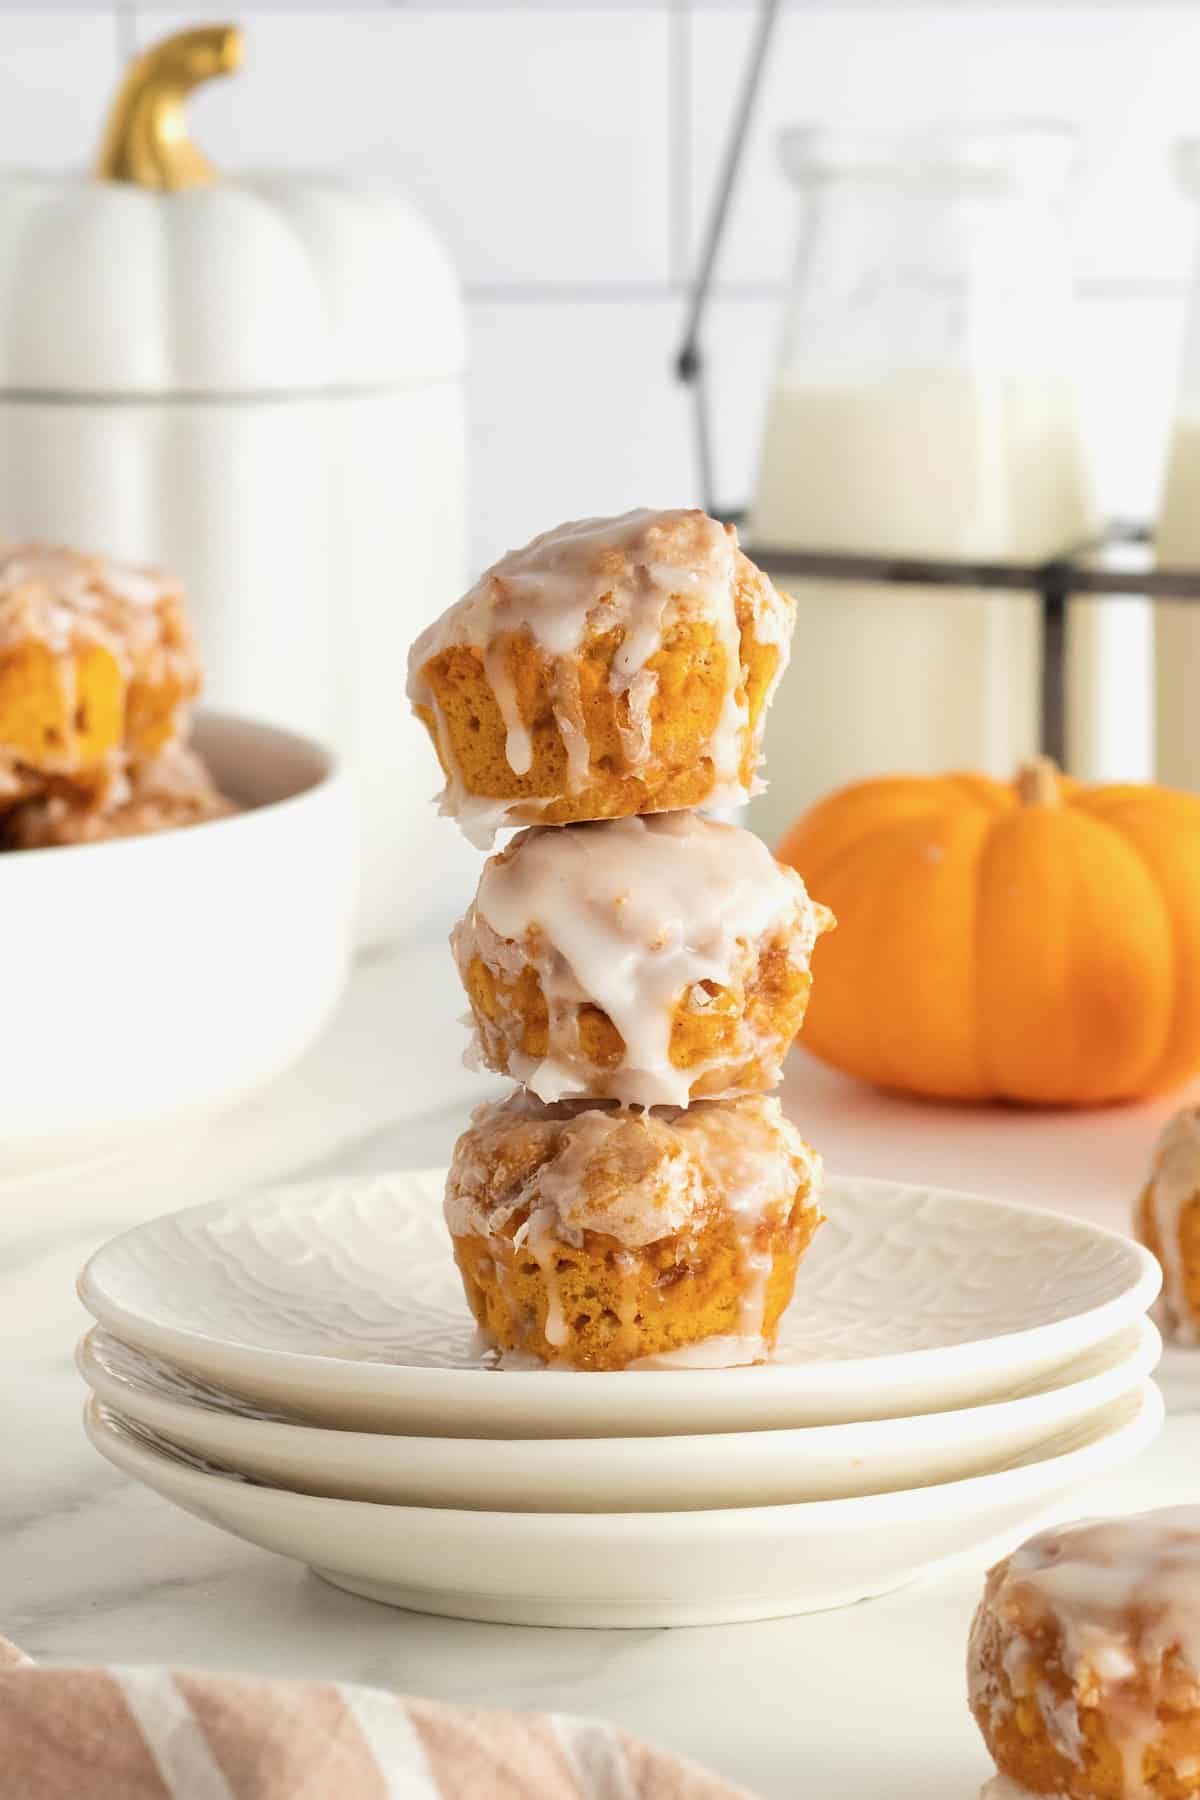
x=990 y=154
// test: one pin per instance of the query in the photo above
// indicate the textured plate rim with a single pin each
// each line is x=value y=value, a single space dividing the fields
x=201 y=1350
x=1136 y=1368
x=1132 y=1434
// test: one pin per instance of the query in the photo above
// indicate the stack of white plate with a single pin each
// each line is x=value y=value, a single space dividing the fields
x=299 y=1369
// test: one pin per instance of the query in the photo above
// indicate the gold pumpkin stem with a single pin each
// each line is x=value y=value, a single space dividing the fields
x=146 y=139
x=1036 y=782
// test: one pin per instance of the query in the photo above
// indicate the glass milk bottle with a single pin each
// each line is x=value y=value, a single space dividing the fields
x=1177 y=546
x=920 y=409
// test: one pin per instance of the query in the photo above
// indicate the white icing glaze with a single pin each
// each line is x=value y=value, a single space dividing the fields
x=519 y=1362
x=55 y=597
x=1001 y=1788
x=539 y=1237
x=1175 y=1181
x=1124 y=1591
x=635 y=1178
x=709 y=1353
x=633 y=916
x=1124 y=1595
x=636 y=574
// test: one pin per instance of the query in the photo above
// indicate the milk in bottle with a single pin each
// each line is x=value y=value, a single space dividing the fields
x=920 y=409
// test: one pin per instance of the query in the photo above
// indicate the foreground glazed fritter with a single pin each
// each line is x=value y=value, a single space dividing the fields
x=609 y=668
x=650 y=961
x=594 y=1237
x=1084 y=1660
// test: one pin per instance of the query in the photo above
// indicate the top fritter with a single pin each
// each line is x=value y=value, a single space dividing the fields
x=611 y=667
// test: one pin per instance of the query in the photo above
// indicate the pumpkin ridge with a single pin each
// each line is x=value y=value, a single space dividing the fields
x=987 y=1077
x=1063 y=998
x=969 y=853
x=991 y=1081
x=991 y=795
x=915 y=1027
x=1135 y=808
x=1146 y=1078
x=1109 y=794
x=817 y=871
x=983 y=1074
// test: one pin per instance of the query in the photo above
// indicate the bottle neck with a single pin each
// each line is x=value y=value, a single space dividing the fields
x=918 y=271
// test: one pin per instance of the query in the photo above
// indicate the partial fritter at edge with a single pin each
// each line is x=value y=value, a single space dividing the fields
x=97 y=662
x=1084 y=1661
x=1167 y=1221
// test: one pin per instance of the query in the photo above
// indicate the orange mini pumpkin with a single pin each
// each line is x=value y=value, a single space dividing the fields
x=1038 y=941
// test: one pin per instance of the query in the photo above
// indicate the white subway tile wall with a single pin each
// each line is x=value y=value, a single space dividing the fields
x=573 y=412
x=1118 y=74
x=566 y=152
x=56 y=71
x=539 y=144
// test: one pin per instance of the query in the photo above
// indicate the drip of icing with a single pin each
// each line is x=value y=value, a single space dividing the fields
x=518 y=744
x=708 y=1353
x=752 y=1302
x=568 y=716
x=479 y=816
x=1125 y=1596
x=633 y=916
x=628 y=1334
x=636 y=728
x=634 y=575
x=724 y=747
x=1176 y=1181
x=537 y=1235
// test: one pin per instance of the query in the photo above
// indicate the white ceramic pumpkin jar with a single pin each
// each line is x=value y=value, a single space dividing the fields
x=259 y=383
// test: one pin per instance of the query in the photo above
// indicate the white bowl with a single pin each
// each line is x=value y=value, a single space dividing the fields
x=159 y=975
x=340 y=1301
x=646 y=1474
x=633 y=1568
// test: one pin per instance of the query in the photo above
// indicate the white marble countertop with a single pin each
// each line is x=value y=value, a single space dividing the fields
x=843 y=1706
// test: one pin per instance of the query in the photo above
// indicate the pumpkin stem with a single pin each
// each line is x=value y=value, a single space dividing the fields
x=1036 y=782
x=146 y=140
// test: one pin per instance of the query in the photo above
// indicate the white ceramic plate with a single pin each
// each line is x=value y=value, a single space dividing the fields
x=340 y=1300
x=650 y=1474
x=198 y=963
x=633 y=1569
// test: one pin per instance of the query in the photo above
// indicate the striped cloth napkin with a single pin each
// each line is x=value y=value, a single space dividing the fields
x=158 y=1734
